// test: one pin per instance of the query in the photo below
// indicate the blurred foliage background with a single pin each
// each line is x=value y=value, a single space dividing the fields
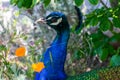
x=95 y=45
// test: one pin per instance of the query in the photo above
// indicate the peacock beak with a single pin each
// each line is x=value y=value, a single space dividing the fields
x=41 y=20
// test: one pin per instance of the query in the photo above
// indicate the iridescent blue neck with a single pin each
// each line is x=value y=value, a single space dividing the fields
x=61 y=38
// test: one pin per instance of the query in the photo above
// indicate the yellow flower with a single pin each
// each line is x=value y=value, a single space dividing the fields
x=37 y=67
x=20 y=52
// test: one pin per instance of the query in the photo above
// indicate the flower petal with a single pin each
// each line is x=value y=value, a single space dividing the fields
x=20 y=52
x=38 y=66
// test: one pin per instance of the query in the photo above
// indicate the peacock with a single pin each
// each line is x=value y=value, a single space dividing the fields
x=55 y=56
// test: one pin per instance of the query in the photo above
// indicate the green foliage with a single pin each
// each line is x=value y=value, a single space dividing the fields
x=24 y=3
x=94 y=2
x=2 y=48
x=101 y=17
x=94 y=21
x=105 y=24
x=104 y=54
x=34 y=2
x=108 y=73
x=78 y=2
x=115 y=60
x=46 y=2
x=77 y=55
x=116 y=22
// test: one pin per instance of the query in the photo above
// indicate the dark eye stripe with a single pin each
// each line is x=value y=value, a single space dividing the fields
x=54 y=19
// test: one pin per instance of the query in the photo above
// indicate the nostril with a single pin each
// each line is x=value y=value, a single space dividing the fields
x=35 y=28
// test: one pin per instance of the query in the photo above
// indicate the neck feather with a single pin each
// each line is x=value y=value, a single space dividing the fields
x=61 y=38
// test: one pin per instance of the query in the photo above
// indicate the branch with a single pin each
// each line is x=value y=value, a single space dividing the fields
x=103 y=4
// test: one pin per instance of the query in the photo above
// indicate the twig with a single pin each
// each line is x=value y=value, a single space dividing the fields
x=103 y=4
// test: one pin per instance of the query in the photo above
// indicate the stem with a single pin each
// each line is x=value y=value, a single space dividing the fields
x=7 y=75
x=103 y=4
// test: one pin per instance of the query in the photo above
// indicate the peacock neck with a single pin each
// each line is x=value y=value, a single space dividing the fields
x=61 y=38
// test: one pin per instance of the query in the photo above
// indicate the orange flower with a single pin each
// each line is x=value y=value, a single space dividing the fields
x=20 y=51
x=38 y=66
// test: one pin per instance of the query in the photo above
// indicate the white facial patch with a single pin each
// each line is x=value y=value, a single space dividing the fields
x=49 y=18
x=57 y=22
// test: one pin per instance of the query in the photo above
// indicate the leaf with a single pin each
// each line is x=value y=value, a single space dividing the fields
x=94 y=2
x=94 y=21
x=13 y=2
x=46 y=2
x=78 y=2
x=3 y=48
x=104 y=54
x=14 y=69
x=20 y=3
x=77 y=55
x=105 y=24
x=34 y=2
x=27 y=3
x=115 y=60
x=116 y=22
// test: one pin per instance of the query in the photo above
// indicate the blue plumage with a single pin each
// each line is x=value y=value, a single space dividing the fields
x=55 y=55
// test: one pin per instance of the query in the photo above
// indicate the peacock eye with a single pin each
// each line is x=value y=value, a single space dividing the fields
x=54 y=20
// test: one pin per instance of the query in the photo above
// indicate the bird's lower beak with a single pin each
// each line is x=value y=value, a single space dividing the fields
x=41 y=20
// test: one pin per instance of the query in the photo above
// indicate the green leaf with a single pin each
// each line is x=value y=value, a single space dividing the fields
x=34 y=2
x=47 y=2
x=94 y=2
x=14 y=69
x=20 y=4
x=115 y=60
x=2 y=48
x=94 y=21
x=105 y=24
x=13 y=2
x=27 y=3
x=77 y=55
x=78 y=2
x=104 y=54
x=116 y=22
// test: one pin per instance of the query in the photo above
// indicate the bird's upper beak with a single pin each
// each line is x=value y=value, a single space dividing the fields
x=41 y=20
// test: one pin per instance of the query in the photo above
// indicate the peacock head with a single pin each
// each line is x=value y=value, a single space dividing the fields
x=55 y=20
